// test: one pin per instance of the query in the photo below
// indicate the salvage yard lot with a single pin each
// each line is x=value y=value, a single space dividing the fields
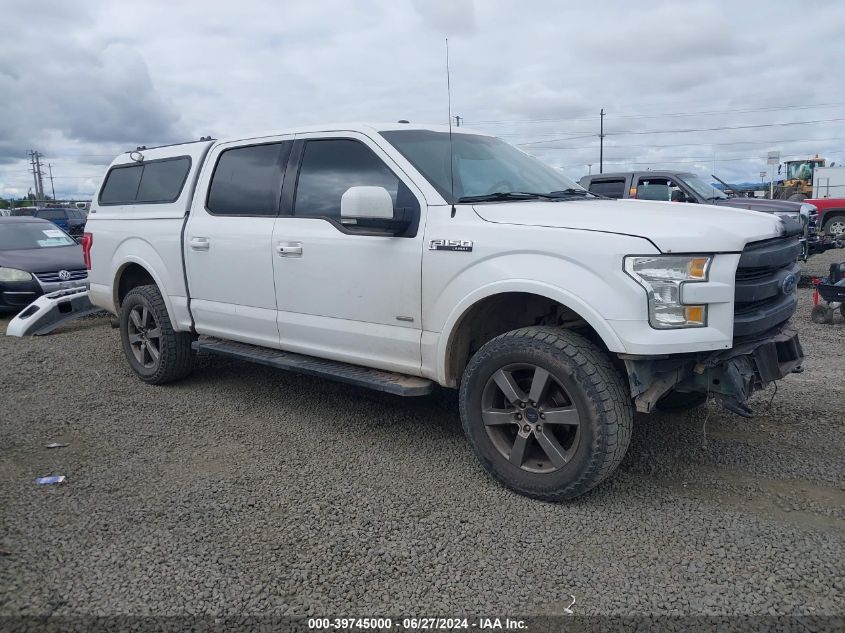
x=244 y=490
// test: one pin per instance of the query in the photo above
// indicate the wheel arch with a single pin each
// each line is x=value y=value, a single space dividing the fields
x=508 y=305
x=134 y=272
x=835 y=212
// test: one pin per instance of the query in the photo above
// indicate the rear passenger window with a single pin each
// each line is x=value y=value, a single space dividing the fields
x=157 y=181
x=121 y=185
x=610 y=188
x=331 y=166
x=248 y=180
x=162 y=180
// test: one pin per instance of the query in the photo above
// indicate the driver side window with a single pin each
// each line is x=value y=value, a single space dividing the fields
x=331 y=166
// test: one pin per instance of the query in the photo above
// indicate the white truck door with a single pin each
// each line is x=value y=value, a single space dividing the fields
x=347 y=292
x=228 y=240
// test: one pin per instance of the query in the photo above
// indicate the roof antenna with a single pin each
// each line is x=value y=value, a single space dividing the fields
x=451 y=154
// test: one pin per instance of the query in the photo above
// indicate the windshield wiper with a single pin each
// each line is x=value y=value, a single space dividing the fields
x=504 y=195
x=571 y=191
x=523 y=195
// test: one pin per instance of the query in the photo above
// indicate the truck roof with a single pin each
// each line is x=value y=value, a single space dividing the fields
x=366 y=128
x=660 y=173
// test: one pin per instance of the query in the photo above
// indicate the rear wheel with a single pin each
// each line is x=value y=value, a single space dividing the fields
x=546 y=412
x=156 y=352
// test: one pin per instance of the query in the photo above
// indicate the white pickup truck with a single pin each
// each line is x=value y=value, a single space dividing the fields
x=401 y=257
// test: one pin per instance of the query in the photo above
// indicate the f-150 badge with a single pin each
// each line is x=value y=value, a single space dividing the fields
x=462 y=246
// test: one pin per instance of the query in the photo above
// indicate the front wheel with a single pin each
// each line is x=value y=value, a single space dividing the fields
x=835 y=226
x=546 y=412
x=156 y=352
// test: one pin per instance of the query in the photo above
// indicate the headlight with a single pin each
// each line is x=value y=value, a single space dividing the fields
x=662 y=277
x=13 y=274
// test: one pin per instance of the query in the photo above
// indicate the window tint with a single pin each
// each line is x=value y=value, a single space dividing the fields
x=248 y=180
x=52 y=214
x=610 y=188
x=121 y=185
x=156 y=181
x=162 y=180
x=330 y=167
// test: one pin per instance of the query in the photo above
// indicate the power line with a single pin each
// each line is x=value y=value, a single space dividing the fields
x=773 y=142
x=668 y=114
x=701 y=129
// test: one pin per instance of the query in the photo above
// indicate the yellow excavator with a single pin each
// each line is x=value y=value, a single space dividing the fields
x=797 y=184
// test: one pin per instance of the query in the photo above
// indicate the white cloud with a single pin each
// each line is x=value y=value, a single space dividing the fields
x=122 y=74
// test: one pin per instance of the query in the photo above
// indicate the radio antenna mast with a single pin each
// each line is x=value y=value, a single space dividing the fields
x=451 y=153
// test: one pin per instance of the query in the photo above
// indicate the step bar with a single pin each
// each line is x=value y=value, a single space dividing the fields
x=376 y=379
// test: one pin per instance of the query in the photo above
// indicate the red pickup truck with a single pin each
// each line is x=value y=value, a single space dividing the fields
x=831 y=216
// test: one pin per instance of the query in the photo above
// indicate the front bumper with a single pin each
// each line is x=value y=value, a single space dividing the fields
x=15 y=295
x=731 y=376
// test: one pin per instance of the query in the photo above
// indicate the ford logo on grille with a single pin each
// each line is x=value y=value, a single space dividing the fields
x=788 y=284
x=64 y=275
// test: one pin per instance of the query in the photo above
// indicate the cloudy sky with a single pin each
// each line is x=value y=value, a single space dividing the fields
x=83 y=80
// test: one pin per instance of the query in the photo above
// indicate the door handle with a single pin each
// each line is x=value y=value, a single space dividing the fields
x=199 y=243
x=289 y=249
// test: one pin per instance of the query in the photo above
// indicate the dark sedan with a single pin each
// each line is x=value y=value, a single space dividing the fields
x=36 y=257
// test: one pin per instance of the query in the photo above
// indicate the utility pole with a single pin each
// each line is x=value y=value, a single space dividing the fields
x=52 y=187
x=601 y=142
x=40 y=177
x=589 y=168
x=34 y=171
x=458 y=120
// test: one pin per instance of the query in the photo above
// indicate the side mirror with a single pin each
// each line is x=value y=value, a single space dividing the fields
x=370 y=203
x=372 y=208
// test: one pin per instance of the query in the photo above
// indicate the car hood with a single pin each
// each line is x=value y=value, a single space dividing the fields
x=671 y=226
x=759 y=204
x=42 y=260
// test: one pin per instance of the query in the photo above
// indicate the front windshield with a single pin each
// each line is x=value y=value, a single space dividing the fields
x=29 y=235
x=703 y=189
x=483 y=165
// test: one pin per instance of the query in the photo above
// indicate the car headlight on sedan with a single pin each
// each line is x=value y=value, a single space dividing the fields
x=662 y=277
x=13 y=274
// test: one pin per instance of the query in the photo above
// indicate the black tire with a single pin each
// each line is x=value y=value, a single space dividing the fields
x=580 y=378
x=821 y=314
x=173 y=358
x=835 y=226
x=679 y=401
x=797 y=197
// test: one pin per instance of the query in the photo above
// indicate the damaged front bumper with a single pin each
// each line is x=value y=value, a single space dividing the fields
x=731 y=375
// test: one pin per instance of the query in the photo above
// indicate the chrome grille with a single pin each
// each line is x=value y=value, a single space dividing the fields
x=53 y=277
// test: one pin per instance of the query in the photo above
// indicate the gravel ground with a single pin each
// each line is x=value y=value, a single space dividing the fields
x=244 y=490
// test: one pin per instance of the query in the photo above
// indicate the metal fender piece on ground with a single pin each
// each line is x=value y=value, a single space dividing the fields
x=50 y=311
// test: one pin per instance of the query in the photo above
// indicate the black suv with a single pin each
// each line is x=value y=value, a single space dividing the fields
x=71 y=221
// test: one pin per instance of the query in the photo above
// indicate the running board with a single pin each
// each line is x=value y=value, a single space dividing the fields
x=389 y=382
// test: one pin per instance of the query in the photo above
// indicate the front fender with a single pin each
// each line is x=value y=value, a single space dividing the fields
x=555 y=293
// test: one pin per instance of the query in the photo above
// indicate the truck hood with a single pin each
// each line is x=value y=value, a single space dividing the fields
x=760 y=204
x=671 y=226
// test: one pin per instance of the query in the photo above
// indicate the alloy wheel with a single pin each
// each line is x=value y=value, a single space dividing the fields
x=530 y=418
x=144 y=336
